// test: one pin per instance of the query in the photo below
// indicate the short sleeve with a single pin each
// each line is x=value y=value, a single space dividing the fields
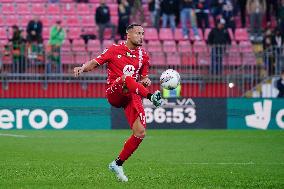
x=105 y=56
x=145 y=67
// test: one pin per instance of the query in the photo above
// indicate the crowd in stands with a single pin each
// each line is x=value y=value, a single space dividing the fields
x=189 y=19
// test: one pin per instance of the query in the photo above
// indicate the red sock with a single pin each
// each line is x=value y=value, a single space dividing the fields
x=129 y=147
x=135 y=87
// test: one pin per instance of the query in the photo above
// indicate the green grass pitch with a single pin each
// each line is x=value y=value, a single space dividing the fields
x=165 y=159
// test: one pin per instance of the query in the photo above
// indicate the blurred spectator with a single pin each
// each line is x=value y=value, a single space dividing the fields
x=268 y=52
x=242 y=6
x=281 y=16
x=278 y=42
x=187 y=13
x=56 y=39
x=202 y=13
x=34 y=30
x=256 y=10
x=218 y=39
x=82 y=1
x=228 y=14
x=154 y=7
x=102 y=18
x=169 y=8
x=18 y=51
x=280 y=85
x=53 y=1
x=216 y=9
x=137 y=12
x=272 y=6
x=123 y=20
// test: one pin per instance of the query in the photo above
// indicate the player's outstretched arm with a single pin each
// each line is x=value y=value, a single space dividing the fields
x=88 y=66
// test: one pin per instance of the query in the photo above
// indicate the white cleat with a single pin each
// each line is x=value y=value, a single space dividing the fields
x=118 y=170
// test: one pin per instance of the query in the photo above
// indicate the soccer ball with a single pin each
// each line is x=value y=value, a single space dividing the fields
x=170 y=79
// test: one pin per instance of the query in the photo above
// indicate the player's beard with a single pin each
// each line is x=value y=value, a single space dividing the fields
x=138 y=43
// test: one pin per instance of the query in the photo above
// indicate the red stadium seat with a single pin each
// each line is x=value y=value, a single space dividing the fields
x=72 y=21
x=12 y=20
x=231 y=34
x=200 y=46
x=53 y=9
x=83 y=9
x=45 y=33
x=107 y=43
x=45 y=21
x=151 y=34
x=154 y=46
x=8 y=8
x=185 y=50
x=166 y=34
x=113 y=8
x=88 y=21
x=184 y=46
x=94 y=46
x=206 y=33
x=67 y=58
x=25 y=20
x=157 y=58
x=73 y=33
x=173 y=58
x=38 y=8
x=234 y=58
x=3 y=33
x=2 y=21
x=55 y=18
x=79 y=45
x=23 y=8
x=246 y=46
x=66 y=46
x=169 y=46
x=178 y=34
x=234 y=47
x=241 y=34
x=68 y=9
x=114 y=20
x=81 y=57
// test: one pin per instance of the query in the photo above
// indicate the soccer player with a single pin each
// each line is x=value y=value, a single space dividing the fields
x=127 y=65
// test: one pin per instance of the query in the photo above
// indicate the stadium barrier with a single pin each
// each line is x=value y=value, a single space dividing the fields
x=40 y=75
x=176 y=113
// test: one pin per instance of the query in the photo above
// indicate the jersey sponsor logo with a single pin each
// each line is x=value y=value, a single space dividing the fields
x=128 y=70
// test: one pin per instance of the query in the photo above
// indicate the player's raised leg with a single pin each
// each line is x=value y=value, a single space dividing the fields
x=137 y=88
x=129 y=148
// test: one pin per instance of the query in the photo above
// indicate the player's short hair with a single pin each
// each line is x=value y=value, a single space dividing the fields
x=131 y=26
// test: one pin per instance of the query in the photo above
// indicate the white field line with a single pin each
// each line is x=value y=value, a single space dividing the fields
x=12 y=135
x=230 y=163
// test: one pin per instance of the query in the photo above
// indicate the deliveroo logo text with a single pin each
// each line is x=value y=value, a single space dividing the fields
x=262 y=116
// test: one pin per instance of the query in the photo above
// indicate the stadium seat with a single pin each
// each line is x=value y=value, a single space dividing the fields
x=200 y=46
x=68 y=9
x=2 y=21
x=12 y=20
x=157 y=58
x=72 y=21
x=73 y=33
x=54 y=18
x=231 y=34
x=234 y=58
x=169 y=46
x=166 y=34
x=53 y=9
x=107 y=43
x=114 y=20
x=81 y=57
x=241 y=34
x=66 y=46
x=94 y=46
x=45 y=33
x=234 y=47
x=8 y=8
x=88 y=21
x=23 y=8
x=154 y=46
x=45 y=21
x=79 y=45
x=38 y=8
x=206 y=33
x=3 y=33
x=113 y=8
x=83 y=9
x=184 y=46
x=67 y=58
x=25 y=20
x=178 y=34
x=173 y=58
x=151 y=34
x=246 y=46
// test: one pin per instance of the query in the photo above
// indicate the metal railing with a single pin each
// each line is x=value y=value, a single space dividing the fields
x=230 y=73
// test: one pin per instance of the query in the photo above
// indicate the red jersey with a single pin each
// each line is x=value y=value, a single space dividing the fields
x=123 y=61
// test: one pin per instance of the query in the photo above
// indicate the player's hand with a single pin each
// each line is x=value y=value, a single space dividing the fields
x=146 y=81
x=78 y=71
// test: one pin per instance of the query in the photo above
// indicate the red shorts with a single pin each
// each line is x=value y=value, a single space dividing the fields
x=130 y=102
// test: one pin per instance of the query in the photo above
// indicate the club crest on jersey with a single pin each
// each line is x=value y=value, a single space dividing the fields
x=128 y=70
x=130 y=55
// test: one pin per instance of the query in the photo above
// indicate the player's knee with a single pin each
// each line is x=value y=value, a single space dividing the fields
x=141 y=133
